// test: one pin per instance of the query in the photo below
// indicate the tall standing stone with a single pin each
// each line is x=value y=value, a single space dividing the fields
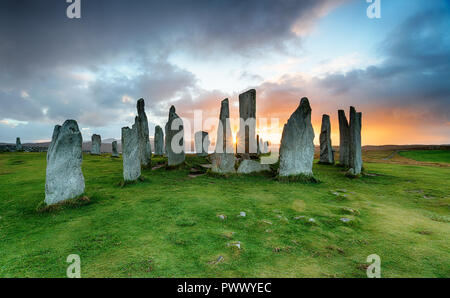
x=159 y=141
x=96 y=144
x=297 y=143
x=174 y=139
x=64 y=179
x=326 y=149
x=143 y=133
x=115 y=152
x=201 y=143
x=223 y=159
x=131 y=153
x=258 y=145
x=247 y=144
x=344 y=140
x=18 y=145
x=355 y=157
x=266 y=147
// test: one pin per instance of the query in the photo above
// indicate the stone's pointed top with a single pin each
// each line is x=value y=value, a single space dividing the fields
x=305 y=102
x=352 y=109
x=304 y=106
x=140 y=105
x=72 y=125
x=325 y=116
x=225 y=101
x=172 y=109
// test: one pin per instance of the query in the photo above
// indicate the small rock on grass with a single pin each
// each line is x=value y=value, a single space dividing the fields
x=236 y=244
x=242 y=214
x=222 y=216
x=346 y=220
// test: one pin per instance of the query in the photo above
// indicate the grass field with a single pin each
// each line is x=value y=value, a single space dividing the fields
x=168 y=225
x=427 y=155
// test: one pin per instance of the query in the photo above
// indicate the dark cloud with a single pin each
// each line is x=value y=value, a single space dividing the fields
x=75 y=68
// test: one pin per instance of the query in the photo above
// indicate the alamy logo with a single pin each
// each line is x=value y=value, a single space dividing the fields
x=74 y=10
x=74 y=269
x=374 y=269
x=374 y=9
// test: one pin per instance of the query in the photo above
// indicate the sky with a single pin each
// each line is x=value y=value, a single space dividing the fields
x=194 y=53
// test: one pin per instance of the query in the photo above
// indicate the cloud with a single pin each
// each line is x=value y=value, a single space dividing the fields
x=55 y=68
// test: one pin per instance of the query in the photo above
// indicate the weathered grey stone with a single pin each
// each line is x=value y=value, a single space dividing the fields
x=248 y=166
x=131 y=153
x=246 y=141
x=266 y=147
x=64 y=179
x=115 y=153
x=96 y=144
x=201 y=143
x=344 y=139
x=145 y=149
x=159 y=141
x=355 y=157
x=223 y=160
x=326 y=150
x=18 y=145
x=297 y=143
x=174 y=139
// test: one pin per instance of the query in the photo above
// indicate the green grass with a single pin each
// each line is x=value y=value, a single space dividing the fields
x=427 y=155
x=168 y=224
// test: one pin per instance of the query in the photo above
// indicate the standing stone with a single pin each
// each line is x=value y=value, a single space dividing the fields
x=266 y=147
x=344 y=140
x=174 y=139
x=297 y=143
x=201 y=143
x=223 y=159
x=355 y=157
x=247 y=144
x=258 y=145
x=326 y=150
x=159 y=141
x=64 y=179
x=18 y=145
x=96 y=144
x=131 y=153
x=115 y=153
x=144 y=140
